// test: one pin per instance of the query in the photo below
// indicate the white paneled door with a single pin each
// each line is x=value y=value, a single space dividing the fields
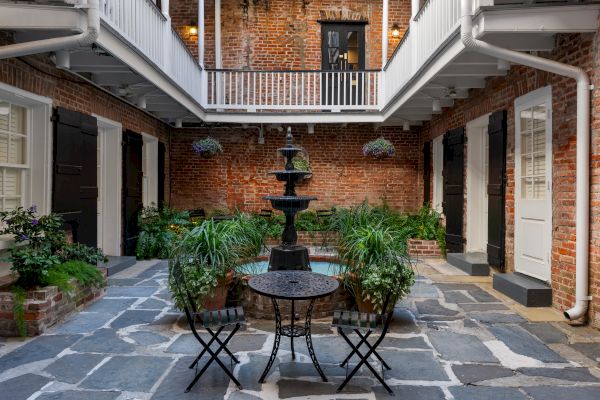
x=533 y=183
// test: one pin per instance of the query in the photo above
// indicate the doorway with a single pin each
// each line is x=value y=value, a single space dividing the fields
x=533 y=183
x=477 y=182
x=109 y=186
x=342 y=49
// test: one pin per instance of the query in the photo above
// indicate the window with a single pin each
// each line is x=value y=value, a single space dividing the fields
x=533 y=152
x=13 y=155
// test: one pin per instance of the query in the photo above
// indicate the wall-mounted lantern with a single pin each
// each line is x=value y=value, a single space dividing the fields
x=395 y=31
x=193 y=28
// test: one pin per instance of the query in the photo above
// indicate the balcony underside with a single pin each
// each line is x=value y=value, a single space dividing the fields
x=127 y=70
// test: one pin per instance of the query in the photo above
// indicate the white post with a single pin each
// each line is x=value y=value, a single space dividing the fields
x=164 y=7
x=218 y=59
x=201 y=33
x=416 y=6
x=384 y=34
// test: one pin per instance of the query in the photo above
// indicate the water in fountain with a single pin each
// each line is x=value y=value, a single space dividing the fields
x=289 y=255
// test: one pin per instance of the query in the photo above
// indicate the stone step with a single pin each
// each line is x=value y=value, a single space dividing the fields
x=526 y=290
x=117 y=264
x=472 y=263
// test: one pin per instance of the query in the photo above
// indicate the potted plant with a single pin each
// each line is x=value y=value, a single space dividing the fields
x=379 y=148
x=207 y=147
x=160 y=230
x=375 y=259
x=208 y=256
x=426 y=227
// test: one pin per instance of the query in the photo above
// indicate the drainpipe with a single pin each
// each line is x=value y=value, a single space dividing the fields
x=83 y=39
x=583 y=145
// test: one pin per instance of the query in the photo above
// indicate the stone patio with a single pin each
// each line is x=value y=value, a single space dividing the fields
x=449 y=340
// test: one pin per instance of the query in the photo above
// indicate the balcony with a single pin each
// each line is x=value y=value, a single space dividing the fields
x=139 y=57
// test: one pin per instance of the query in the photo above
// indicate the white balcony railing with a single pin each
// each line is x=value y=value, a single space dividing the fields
x=144 y=26
x=293 y=90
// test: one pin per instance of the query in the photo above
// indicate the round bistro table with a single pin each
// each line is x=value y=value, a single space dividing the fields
x=293 y=285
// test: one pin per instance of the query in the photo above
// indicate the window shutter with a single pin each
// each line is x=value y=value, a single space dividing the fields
x=132 y=189
x=497 y=129
x=454 y=158
x=426 y=173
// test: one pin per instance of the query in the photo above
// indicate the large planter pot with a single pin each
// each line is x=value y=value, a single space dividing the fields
x=44 y=307
x=364 y=306
x=218 y=298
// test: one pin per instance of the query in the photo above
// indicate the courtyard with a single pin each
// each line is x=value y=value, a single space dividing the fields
x=452 y=338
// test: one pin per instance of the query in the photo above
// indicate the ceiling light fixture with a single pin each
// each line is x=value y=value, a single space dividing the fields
x=437 y=106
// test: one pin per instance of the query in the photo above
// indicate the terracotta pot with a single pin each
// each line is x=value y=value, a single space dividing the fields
x=364 y=306
x=218 y=298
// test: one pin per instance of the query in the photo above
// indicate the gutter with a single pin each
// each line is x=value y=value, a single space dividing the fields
x=582 y=202
x=82 y=39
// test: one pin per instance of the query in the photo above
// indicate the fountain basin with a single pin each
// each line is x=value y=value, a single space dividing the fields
x=290 y=176
x=290 y=204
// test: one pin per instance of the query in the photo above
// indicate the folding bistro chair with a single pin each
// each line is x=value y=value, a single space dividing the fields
x=367 y=323
x=266 y=213
x=210 y=320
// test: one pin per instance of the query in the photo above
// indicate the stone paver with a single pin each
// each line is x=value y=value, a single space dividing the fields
x=132 y=344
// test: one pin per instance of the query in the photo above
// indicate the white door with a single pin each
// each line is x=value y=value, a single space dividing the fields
x=477 y=181
x=438 y=179
x=533 y=183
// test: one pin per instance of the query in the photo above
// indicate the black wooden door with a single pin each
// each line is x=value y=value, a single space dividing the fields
x=426 y=173
x=342 y=49
x=75 y=175
x=454 y=158
x=132 y=189
x=496 y=188
x=161 y=174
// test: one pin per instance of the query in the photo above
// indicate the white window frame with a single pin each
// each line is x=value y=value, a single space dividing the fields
x=437 y=145
x=37 y=187
x=150 y=170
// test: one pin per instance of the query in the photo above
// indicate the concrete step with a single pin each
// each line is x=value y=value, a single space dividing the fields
x=526 y=290
x=117 y=264
x=472 y=263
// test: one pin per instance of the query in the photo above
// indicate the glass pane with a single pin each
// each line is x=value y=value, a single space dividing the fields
x=539 y=188
x=334 y=55
x=3 y=147
x=526 y=188
x=17 y=119
x=539 y=165
x=12 y=183
x=4 y=115
x=526 y=122
x=526 y=143
x=526 y=166
x=17 y=150
x=539 y=141
x=539 y=117
x=333 y=39
x=11 y=203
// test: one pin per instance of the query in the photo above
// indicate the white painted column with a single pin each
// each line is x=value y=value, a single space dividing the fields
x=384 y=34
x=218 y=58
x=201 y=33
x=164 y=7
x=416 y=6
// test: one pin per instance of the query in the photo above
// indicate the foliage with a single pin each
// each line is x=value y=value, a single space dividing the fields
x=19 y=309
x=305 y=221
x=426 y=225
x=379 y=148
x=25 y=226
x=207 y=147
x=81 y=252
x=32 y=264
x=160 y=229
x=87 y=275
x=373 y=250
x=301 y=164
x=209 y=251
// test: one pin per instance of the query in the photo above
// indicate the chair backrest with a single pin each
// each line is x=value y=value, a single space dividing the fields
x=387 y=316
x=197 y=213
x=189 y=305
x=266 y=213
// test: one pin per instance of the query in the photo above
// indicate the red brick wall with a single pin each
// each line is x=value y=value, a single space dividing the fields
x=37 y=75
x=283 y=34
x=500 y=93
x=342 y=176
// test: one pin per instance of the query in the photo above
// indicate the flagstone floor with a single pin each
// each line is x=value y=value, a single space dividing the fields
x=448 y=341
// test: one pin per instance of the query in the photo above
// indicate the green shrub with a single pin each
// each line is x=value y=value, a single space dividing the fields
x=86 y=274
x=81 y=252
x=160 y=229
x=426 y=225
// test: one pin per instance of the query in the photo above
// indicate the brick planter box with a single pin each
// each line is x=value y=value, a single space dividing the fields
x=314 y=239
x=424 y=248
x=44 y=307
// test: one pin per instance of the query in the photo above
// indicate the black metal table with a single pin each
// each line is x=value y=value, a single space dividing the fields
x=293 y=285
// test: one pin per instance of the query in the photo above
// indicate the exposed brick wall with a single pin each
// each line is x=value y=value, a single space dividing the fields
x=424 y=248
x=37 y=75
x=500 y=93
x=284 y=34
x=342 y=176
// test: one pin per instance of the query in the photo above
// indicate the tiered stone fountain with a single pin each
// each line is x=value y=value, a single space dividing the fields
x=289 y=255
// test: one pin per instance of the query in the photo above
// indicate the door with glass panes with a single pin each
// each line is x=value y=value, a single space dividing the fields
x=343 y=51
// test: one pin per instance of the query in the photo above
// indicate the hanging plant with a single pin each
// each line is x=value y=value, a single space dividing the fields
x=207 y=147
x=379 y=148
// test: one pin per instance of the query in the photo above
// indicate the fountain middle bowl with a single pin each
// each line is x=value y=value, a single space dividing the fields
x=290 y=176
x=290 y=204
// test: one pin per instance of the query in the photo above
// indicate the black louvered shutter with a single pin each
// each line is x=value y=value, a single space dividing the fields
x=496 y=188
x=75 y=175
x=132 y=189
x=454 y=158
x=161 y=174
x=426 y=173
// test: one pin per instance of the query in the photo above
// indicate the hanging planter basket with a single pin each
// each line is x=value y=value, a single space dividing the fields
x=379 y=148
x=207 y=147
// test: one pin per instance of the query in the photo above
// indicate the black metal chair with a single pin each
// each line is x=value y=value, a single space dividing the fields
x=210 y=320
x=367 y=323
x=325 y=214
x=266 y=213
x=197 y=214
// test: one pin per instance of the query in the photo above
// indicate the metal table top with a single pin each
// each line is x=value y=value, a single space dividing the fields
x=293 y=285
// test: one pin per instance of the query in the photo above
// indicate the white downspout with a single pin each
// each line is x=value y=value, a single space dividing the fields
x=82 y=39
x=583 y=145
